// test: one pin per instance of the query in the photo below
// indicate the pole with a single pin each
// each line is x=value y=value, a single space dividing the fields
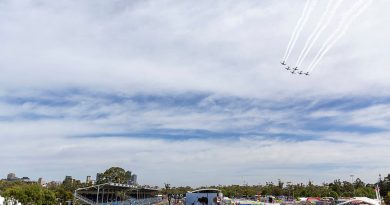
x=103 y=196
x=74 y=196
x=353 y=186
x=97 y=195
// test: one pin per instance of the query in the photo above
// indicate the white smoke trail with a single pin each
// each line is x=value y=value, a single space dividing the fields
x=299 y=30
x=340 y=31
x=321 y=26
x=318 y=26
x=296 y=29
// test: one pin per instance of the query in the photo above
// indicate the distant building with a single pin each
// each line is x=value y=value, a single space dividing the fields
x=41 y=182
x=12 y=177
x=52 y=184
x=128 y=174
x=68 y=180
x=98 y=177
x=25 y=179
x=134 y=179
x=88 y=180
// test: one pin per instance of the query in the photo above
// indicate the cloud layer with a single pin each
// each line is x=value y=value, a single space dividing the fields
x=187 y=92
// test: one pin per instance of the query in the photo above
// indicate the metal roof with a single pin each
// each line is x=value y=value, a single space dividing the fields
x=117 y=186
x=206 y=191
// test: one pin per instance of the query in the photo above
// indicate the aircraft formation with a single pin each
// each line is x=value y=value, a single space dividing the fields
x=294 y=70
x=337 y=28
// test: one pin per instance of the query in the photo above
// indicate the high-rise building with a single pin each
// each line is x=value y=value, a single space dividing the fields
x=40 y=181
x=134 y=179
x=11 y=177
x=98 y=177
x=128 y=174
x=88 y=180
x=68 y=180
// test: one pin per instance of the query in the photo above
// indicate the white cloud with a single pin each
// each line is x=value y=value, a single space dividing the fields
x=168 y=46
x=377 y=115
x=54 y=146
x=208 y=161
x=223 y=49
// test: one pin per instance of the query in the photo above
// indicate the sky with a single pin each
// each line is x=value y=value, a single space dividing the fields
x=190 y=92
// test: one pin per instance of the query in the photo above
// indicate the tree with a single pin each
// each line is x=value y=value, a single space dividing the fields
x=30 y=194
x=359 y=183
x=365 y=191
x=115 y=175
x=62 y=194
x=70 y=185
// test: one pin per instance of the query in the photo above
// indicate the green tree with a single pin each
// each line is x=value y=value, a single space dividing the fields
x=30 y=194
x=61 y=193
x=359 y=183
x=365 y=191
x=70 y=185
x=115 y=175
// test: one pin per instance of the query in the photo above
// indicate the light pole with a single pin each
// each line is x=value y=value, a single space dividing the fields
x=353 y=186
x=167 y=187
x=289 y=189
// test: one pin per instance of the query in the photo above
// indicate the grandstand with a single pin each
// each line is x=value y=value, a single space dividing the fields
x=116 y=194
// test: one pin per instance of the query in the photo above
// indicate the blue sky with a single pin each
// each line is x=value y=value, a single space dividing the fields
x=189 y=93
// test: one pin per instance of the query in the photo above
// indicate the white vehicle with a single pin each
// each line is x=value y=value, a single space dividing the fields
x=204 y=197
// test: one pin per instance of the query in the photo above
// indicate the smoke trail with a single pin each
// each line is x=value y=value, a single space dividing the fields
x=296 y=28
x=314 y=32
x=299 y=30
x=340 y=31
x=342 y=23
x=323 y=23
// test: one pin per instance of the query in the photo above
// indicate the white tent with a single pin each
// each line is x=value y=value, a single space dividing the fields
x=362 y=199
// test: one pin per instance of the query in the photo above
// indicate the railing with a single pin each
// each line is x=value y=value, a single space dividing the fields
x=133 y=201
x=84 y=199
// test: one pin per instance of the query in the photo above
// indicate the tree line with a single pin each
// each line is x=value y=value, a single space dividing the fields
x=335 y=189
x=53 y=193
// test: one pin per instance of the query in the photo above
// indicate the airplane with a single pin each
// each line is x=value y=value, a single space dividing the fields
x=296 y=68
x=283 y=63
x=287 y=68
x=307 y=73
x=293 y=72
x=300 y=72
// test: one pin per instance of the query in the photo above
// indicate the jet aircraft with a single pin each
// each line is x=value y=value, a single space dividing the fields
x=287 y=68
x=307 y=73
x=300 y=72
x=283 y=63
